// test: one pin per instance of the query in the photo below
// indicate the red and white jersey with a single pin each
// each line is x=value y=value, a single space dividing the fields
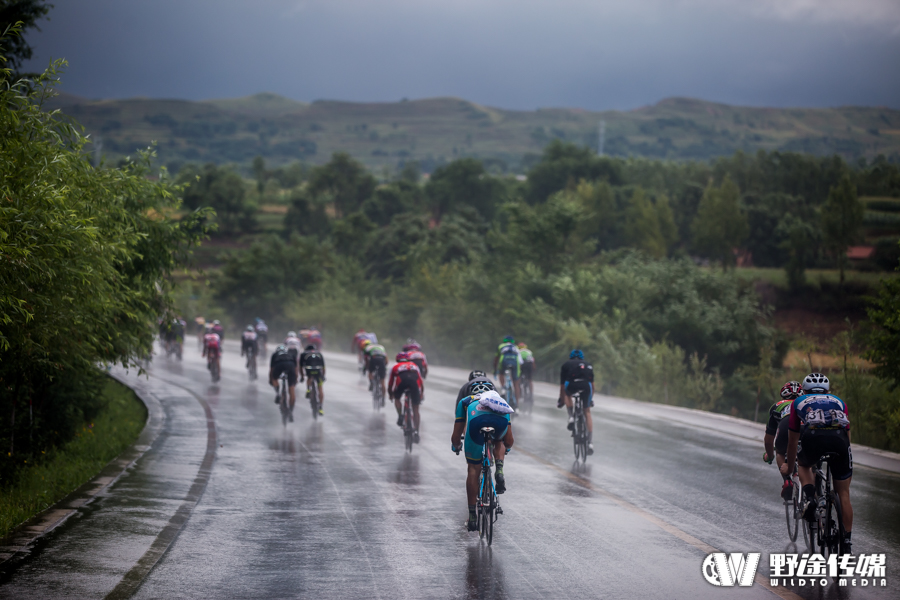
x=293 y=343
x=211 y=341
x=404 y=371
x=417 y=355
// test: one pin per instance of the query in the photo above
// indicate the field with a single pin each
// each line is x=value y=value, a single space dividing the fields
x=438 y=130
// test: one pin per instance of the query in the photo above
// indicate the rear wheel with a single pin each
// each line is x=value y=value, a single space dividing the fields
x=283 y=405
x=407 y=428
x=792 y=512
x=833 y=532
x=314 y=397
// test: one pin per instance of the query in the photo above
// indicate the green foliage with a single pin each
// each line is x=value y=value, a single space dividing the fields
x=798 y=237
x=49 y=477
x=15 y=49
x=884 y=334
x=85 y=255
x=720 y=225
x=222 y=190
x=564 y=165
x=842 y=217
x=464 y=183
x=342 y=183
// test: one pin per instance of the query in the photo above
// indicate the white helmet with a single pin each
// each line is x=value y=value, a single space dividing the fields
x=815 y=381
x=292 y=334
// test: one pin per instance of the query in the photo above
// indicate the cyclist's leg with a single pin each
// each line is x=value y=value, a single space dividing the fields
x=293 y=395
x=321 y=391
x=517 y=386
x=842 y=487
x=472 y=476
x=415 y=399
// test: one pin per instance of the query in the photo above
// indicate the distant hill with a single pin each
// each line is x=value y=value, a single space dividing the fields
x=439 y=130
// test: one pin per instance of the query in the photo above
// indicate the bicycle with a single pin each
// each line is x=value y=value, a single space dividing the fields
x=409 y=428
x=825 y=533
x=251 y=363
x=213 y=366
x=793 y=512
x=579 y=431
x=283 y=405
x=527 y=395
x=312 y=392
x=487 y=505
x=377 y=392
x=510 y=389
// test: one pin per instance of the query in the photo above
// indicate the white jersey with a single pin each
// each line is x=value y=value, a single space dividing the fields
x=370 y=336
x=293 y=343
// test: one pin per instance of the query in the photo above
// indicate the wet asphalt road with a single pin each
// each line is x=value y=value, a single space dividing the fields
x=337 y=509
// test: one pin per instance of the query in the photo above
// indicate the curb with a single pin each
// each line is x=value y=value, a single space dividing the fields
x=24 y=537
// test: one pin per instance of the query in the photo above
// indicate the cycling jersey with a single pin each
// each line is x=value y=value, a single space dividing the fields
x=248 y=341
x=509 y=351
x=818 y=411
x=405 y=376
x=211 y=342
x=777 y=412
x=262 y=328
x=218 y=330
x=418 y=357
x=312 y=360
x=575 y=370
x=283 y=362
x=527 y=355
x=376 y=350
x=476 y=416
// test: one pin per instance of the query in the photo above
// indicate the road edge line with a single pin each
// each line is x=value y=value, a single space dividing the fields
x=24 y=536
x=665 y=526
x=134 y=578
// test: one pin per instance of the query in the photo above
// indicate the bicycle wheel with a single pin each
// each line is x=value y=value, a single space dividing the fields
x=484 y=502
x=314 y=397
x=283 y=405
x=833 y=525
x=490 y=517
x=407 y=427
x=792 y=512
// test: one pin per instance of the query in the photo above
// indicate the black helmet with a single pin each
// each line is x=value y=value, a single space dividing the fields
x=481 y=386
x=310 y=347
x=474 y=374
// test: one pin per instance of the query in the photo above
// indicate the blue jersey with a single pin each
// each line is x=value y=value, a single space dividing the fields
x=468 y=408
x=818 y=411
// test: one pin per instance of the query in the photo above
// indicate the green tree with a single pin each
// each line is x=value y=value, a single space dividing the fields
x=563 y=165
x=798 y=238
x=16 y=49
x=720 y=225
x=342 y=182
x=260 y=173
x=883 y=331
x=221 y=189
x=642 y=226
x=842 y=217
x=85 y=259
x=464 y=182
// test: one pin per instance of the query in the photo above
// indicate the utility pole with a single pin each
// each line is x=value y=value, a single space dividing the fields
x=98 y=150
x=601 y=132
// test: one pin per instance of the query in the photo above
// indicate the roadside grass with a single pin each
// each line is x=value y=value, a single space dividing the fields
x=63 y=470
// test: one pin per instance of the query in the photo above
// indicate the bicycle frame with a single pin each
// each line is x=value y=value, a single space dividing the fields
x=827 y=534
x=579 y=431
x=487 y=513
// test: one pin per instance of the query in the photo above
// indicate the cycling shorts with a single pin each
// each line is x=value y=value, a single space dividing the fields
x=212 y=352
x=528 y=370
x=781 y=437
x=474 y=442
x=511 y=363
x=816 y=442
x=378 y=365
x=262 y=336
x=313 y=372
x=585 y=387
x=414 y=396
x=284 y=366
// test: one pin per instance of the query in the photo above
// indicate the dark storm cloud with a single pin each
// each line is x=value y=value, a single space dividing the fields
x=514 y=54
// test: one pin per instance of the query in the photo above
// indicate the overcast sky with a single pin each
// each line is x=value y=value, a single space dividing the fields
x=524 y=54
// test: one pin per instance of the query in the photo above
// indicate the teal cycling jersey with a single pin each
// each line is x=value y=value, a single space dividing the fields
x=468 y=408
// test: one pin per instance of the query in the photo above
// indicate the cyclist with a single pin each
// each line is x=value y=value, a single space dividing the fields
x=508 y=358
x=376 y=362
x=201 y=330
x=212 y=348
x=313 y=364
x=217 y=328
x=577 y=375
x=417 y=356
x=294 y=345
x=250 y=343
x=818 y=421
x=405 y=377
x=776 y=438
x=474 y=377
x=480 y=409
x=527 y=361
x=284 y=363
x=262 y=333
x=315 y=338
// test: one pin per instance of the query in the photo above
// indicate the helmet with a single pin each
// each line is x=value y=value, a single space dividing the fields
x=509 y=339
x=207 y=326
x=216 y=322
x=249 y=327
x=521 y=345
x=481 y=386
x=576 y=354
x=281 y=348
x=366 y=343
x=310 y=347
x=815 y=381
x=258 y=320
x=474 y=374
x=292 y=334
x=402 y=357
x=791 y=390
